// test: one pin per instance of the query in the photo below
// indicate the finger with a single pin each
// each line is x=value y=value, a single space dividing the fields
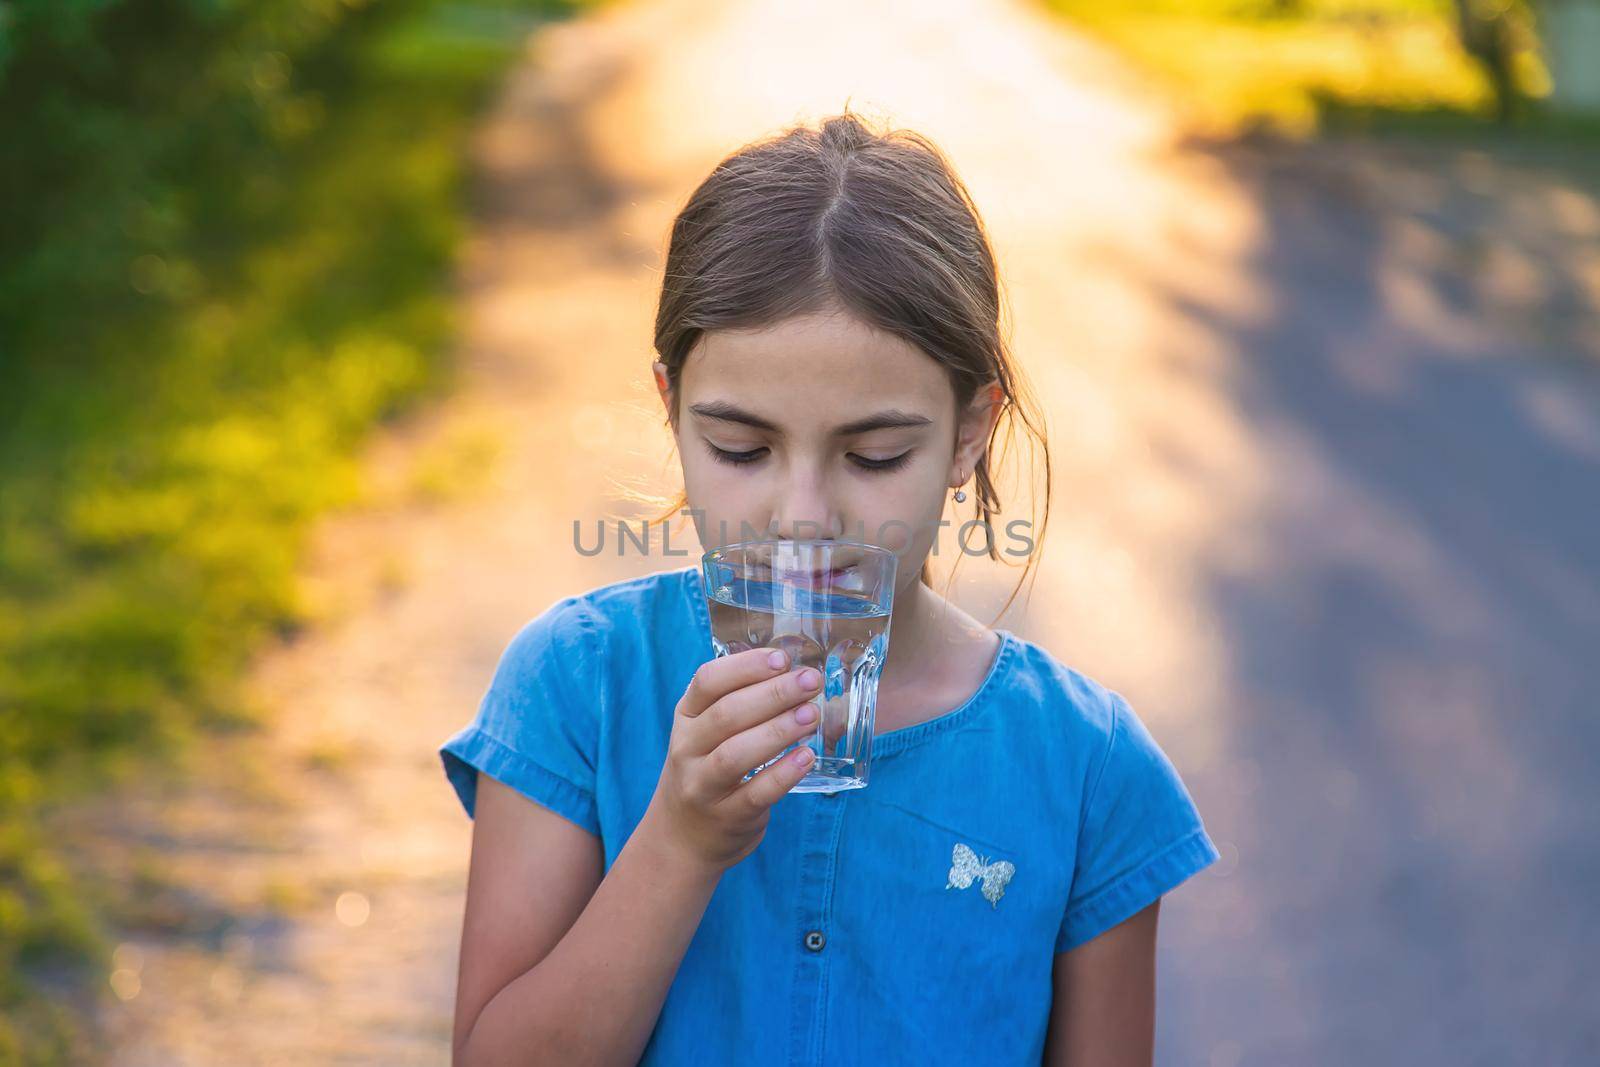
x=772 y=784
x=716 y=678
x=744 y=708
x=729 y=762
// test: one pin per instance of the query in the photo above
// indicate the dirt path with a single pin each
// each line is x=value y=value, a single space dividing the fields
x=1231 y=349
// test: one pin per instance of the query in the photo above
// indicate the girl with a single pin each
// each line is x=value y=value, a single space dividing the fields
x=830 y=362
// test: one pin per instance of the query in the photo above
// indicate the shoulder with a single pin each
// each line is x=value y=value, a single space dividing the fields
x=584 y=649
x=605 y=613
x=1064 y=700
x=1085 y=728
x=1135 y=830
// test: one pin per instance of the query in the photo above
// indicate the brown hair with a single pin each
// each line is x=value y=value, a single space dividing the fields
x=841 y=215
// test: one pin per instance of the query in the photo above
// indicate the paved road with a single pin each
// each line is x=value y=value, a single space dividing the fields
x=1412 y=617
x=1327 y=467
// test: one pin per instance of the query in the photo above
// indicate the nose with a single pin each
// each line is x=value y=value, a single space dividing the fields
x=805 y=507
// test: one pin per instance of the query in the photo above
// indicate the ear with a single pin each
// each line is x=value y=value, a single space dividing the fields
x=973 y=430
x=663 y=386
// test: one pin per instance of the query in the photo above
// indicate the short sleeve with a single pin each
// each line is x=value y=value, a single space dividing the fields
x=536 y=728
x=1141 y=834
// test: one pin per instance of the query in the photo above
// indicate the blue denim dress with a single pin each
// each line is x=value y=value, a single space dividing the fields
x=913 y=921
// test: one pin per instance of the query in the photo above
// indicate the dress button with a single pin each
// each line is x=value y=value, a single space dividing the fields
x=815 y=941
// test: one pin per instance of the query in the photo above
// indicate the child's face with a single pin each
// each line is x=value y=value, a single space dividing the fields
x=782 y=402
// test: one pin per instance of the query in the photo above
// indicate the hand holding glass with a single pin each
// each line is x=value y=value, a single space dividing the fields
x=827 y=604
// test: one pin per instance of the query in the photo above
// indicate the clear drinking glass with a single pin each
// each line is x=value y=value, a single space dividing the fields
x=827 y=604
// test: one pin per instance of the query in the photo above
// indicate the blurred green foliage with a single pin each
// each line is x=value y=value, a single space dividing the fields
x=1298 y=66
x=225 y=233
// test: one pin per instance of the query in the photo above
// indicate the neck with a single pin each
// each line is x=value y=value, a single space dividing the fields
x=923 y=627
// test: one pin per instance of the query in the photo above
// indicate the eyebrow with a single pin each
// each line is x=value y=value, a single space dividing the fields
x=726 y=412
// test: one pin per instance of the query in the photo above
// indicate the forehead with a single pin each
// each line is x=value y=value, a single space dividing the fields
x=829 y=363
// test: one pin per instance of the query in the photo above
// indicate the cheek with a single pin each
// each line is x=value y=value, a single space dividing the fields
x=704 y=471
x=905 y=506
x=721 y=494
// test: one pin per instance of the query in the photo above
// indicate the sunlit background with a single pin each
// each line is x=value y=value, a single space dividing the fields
x=322 y=321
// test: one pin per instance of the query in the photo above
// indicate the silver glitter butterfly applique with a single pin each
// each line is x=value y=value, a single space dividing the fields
x=965 y=866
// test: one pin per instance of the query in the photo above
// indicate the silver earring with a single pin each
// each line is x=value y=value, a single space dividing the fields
x=961 y=494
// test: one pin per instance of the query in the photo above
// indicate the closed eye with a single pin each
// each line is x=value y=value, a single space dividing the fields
x=739 y=459
x=893 y=463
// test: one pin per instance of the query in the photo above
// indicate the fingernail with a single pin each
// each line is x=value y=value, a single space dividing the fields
x=805 y=713
x=809 y=678
x=777 y=661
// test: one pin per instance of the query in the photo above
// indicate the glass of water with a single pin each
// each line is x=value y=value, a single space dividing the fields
x=827 y=604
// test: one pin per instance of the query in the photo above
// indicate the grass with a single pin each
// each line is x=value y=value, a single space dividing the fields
x=1306 y=68
x=461 y=464
x=187 y=369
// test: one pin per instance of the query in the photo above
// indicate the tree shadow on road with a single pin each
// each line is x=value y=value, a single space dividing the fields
x=1414 y=635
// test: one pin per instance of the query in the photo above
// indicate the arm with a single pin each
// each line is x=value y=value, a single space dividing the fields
x=560 y=965
x=1103 y=1011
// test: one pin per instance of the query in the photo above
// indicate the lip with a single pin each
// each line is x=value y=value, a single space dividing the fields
x=812 y=575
